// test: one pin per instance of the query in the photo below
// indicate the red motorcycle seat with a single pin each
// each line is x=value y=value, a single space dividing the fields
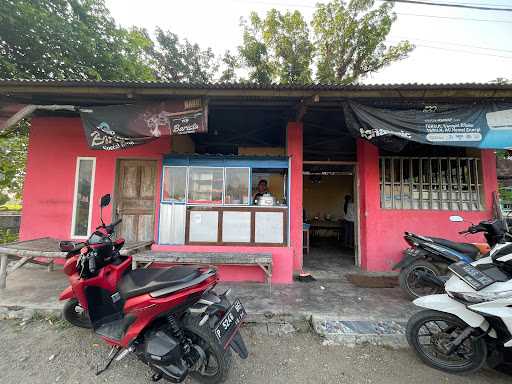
x=141 y=281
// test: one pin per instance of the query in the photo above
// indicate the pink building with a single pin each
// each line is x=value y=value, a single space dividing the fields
x=196 y=193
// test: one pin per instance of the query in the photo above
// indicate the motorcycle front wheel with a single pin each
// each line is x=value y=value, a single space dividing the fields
x=428 y=333
x=217 y=361
x=75 y=314
x=413 y=284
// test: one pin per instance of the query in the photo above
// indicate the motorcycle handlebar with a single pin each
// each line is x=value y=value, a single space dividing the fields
x=475 y=228
x=110 y=227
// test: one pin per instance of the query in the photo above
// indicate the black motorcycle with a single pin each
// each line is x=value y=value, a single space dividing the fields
x=424 y=266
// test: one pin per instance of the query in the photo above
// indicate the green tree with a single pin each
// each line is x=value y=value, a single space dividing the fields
x=278 y=45
x=350 y=40
x=254 y=52
x=230 y=64
x=182 y=61
x=68 y=39
x=13 y=153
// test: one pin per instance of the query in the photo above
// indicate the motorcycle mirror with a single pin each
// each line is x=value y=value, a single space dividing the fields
x=456 y=219
x=105 y=200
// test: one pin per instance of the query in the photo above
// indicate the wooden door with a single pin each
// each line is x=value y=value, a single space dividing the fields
x=135 y=199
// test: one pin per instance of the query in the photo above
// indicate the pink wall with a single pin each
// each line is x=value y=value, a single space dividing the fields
x=294 y=147
x=54 y=145
x=381 y=230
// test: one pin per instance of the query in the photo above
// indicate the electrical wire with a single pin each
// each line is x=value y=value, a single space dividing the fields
x=454 y=18
x=453 y=5
x=277 y=4
x=456 y=44
x=454 y=50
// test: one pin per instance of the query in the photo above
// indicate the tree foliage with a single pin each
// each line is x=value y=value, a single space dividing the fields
x=183 y=61
x=254 y=51
x=13 y=153
x=277 y=48
x=346 y=43
x=350 y=39
x=229 y=65
x=68 y=39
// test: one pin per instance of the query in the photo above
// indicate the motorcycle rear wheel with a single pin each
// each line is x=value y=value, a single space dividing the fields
x=429 y=330
x=75 y=314
x=412 y=285
x=216 y=368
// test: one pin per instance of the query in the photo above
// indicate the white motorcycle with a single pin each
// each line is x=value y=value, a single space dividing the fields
x=471 y=323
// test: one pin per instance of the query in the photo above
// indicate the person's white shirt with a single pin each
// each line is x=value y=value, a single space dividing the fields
x=350 y=215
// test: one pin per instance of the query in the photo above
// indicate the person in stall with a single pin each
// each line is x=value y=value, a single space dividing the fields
x=262 y=189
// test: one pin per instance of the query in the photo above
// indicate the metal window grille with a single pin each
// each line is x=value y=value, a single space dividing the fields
x=436 y=183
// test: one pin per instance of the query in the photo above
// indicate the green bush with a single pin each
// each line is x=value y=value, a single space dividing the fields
x=7 y=236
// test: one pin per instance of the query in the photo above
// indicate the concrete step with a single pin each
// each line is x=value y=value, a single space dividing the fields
x=389 y=333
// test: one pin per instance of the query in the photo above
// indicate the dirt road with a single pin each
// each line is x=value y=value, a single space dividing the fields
x=39 y=352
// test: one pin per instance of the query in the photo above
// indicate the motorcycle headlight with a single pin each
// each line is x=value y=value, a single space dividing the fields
x=479 y=297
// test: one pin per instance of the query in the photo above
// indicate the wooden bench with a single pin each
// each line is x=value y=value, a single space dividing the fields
x=262 y=260
x=27 y=251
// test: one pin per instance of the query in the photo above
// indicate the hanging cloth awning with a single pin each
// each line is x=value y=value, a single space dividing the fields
x=475 y=125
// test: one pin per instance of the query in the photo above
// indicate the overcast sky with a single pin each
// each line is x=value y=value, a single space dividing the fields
x=452 y=45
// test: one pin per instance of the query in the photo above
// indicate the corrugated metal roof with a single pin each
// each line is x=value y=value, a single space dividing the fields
x=193 y=85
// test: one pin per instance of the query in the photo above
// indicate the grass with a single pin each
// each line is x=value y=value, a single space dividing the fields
x=53 y=319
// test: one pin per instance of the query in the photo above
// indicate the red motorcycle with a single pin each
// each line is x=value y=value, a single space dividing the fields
x=170 y=318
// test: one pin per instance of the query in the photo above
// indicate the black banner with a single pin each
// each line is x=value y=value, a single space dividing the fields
x=475 y=125
x=121 y=126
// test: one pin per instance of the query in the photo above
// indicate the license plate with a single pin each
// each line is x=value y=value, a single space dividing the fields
x=475 y=278
x=230 y=323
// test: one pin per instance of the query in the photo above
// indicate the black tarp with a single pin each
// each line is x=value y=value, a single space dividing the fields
x=122 y=126
x=473 y=125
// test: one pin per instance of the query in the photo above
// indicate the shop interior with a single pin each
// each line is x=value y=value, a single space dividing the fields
x=330 y=234
x=329 y=218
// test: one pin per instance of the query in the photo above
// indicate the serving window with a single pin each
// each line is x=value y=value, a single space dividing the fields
x=211 y=202
x=237 y=186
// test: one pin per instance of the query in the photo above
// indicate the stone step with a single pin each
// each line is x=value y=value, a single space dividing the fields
x=389 y=333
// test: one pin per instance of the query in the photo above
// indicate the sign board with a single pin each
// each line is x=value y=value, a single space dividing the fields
x=122 y=126
x=472 y=125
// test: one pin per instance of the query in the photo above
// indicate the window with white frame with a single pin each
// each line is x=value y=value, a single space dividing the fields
x=205 y=185
x=82 y=205
x=174 y=184
x=211 y=185
x=237 y=186
x=436 y=183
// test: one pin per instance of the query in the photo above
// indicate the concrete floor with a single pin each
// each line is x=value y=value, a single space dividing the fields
x=329 y=260
x=35 y=288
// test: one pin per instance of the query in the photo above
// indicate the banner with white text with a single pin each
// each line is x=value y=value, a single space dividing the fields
x=473 y=125
x=122 y=126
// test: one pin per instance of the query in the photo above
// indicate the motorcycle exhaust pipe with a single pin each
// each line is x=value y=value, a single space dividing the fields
x=430 y=279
